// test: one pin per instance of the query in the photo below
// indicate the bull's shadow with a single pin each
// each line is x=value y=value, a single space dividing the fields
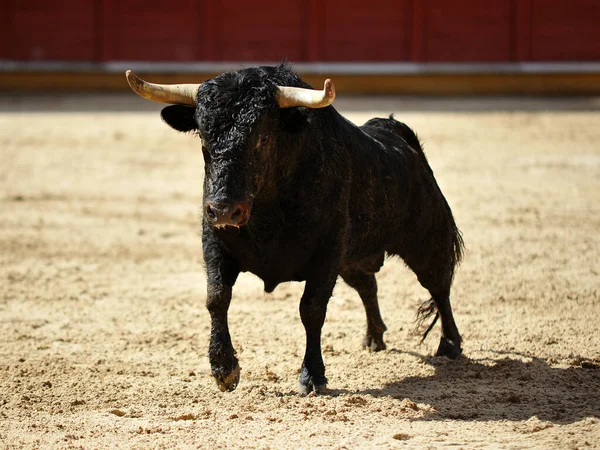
x=501 y=389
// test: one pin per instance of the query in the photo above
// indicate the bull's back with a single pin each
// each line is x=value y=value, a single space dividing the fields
x=395 y=197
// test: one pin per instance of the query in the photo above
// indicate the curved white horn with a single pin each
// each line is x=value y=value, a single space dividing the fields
x=288 y=96
x=176 y=94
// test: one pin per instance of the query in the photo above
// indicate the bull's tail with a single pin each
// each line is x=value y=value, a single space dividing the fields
x=458 y=245
x=425 y=311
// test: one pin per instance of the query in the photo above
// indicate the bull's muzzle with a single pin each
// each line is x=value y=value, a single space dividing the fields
x=234 y=214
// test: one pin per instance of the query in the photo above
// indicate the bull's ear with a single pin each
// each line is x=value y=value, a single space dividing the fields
x=180 y=117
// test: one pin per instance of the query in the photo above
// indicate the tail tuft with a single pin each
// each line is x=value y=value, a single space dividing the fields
x=459 y=245
x=425 y=311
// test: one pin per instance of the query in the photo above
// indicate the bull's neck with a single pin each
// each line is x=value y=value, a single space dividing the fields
x=316 y=154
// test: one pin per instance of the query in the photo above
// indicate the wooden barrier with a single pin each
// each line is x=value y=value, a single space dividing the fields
x=404 y=84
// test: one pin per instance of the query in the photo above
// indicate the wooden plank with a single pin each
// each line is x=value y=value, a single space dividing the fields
x=109 y=35
x=417 y=31
x=316 y=20
x=522 y=21
x=47 y=30
x=209 y=43
x=7 y=32
x=99 y=30
x=566 y=30
x=442 y=84
x=468 y=30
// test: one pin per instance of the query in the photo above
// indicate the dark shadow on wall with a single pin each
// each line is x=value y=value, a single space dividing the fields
x=500 y=389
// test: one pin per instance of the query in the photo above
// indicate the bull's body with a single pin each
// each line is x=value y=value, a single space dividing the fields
x=327 y=199
x=365 y=191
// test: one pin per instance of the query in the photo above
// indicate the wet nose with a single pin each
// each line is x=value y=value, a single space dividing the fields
x=235 y=214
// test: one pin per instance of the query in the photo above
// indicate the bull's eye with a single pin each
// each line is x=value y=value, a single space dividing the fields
x=264 y=140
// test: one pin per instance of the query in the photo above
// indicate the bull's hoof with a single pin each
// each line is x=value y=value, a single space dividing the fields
x=448 y=348
x=308 y=383
x=307 y=389
x=373 y=344
x=228 y=382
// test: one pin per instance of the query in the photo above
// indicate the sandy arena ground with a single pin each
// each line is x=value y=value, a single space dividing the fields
x=103 y=330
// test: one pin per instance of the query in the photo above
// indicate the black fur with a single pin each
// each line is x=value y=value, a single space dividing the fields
x=327 y=198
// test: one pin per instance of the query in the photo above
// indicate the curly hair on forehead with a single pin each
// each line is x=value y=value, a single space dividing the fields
x=230 y=105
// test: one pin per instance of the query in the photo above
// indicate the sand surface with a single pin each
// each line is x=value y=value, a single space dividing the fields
x=104 y=334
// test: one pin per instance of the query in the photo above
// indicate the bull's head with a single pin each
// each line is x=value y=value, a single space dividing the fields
x=238 y=116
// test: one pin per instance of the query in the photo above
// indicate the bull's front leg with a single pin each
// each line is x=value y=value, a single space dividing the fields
x=222 y=273
x=313 y=308
x=223 y=363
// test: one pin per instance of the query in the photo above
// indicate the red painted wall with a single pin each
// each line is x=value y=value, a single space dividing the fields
x=466 y=30
x=151 y=30
x=259 y=30
x=358 y=30
x=7 y=37
x=565 y=30
x=41 y=30
x=300 y=30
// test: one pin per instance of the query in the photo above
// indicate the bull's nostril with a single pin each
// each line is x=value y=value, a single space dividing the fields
x=223 y=214
x=210 y=213
x=237 y=214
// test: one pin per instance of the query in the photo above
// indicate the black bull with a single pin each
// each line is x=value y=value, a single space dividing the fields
x=302 y=194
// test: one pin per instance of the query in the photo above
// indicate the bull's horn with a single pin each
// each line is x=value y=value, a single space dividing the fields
x=176 y=94
x=288 y=96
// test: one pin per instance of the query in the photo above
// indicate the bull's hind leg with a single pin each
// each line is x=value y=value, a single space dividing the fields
x=450 y=340
x=434 y=261
x=366 y=286
x=436 y=277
